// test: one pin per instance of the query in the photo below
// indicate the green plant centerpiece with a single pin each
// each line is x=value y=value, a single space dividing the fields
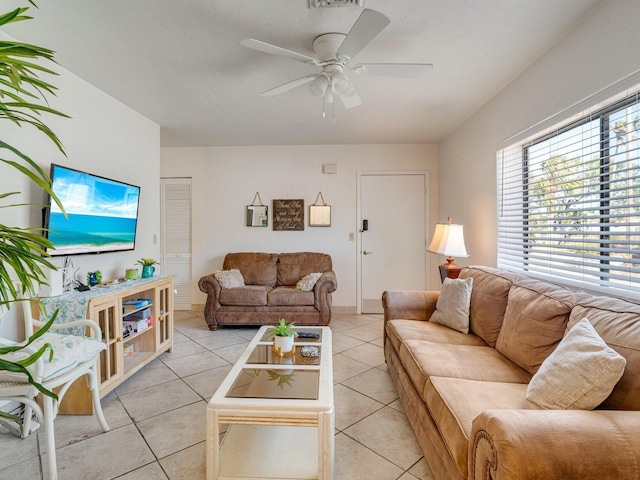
x=283 y=335
x=148 y=268
x=147 y=262
x=23 y=251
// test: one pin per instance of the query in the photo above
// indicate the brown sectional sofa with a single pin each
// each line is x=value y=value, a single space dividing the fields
x=464 y=394
x=269 y=292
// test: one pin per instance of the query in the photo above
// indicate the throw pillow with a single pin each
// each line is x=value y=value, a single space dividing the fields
x=229 y=278
x=579 y=374
x=307 y=282
x=452 y=307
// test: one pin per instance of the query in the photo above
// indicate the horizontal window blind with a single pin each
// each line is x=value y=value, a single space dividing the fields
x=569 y=200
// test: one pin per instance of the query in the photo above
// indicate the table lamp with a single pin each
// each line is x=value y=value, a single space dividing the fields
x=448 y=240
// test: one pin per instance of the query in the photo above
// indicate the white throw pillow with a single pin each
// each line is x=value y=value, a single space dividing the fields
x=452 y=308
x=579 y=374
x=307 y=282
x=229 y=278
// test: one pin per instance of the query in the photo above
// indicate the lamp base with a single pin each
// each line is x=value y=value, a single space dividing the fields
x=449 y=269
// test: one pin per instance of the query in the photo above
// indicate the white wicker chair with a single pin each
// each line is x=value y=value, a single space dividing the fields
x=76 y=357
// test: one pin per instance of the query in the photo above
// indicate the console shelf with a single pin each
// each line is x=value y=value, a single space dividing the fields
x=105 y=307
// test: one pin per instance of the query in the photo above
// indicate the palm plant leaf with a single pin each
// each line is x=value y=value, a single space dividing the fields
x=23 y=251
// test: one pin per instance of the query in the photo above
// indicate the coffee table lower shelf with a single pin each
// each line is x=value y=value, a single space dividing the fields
x=253 y=452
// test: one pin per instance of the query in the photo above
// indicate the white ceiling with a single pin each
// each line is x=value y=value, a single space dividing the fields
x=180 y=63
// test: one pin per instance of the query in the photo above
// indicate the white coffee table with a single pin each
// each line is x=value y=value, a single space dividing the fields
x=279 y=412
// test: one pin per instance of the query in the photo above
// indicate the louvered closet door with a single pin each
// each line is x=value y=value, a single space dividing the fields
x=176 y=237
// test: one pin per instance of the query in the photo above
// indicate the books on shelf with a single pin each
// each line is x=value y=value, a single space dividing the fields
x=127 y=349
x=134 y=304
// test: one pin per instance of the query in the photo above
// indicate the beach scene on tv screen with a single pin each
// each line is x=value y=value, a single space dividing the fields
x=102 y=214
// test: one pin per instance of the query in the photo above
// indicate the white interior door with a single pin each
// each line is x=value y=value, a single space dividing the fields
x=393 y=243
x=175 y=219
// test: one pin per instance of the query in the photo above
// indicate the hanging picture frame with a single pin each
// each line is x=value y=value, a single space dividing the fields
x=319 y=215
x=288 y=215
x=257 y=214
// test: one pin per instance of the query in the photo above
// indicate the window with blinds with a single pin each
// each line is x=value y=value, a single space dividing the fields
x=569 y=200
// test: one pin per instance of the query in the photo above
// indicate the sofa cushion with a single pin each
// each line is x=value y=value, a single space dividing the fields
x=399 y=330
x=253 y=295
x=488 y=301
x=452 y=307
x=289 y=296
x=534 y=322
x=229 y=278
x=618 y=324
x=309 y=281
x=256 y=268
x=293 y=266
x=454 y=403
x=579 y=374
x=423 y=360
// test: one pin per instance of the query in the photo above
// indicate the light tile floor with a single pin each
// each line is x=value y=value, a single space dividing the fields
x=157 y=416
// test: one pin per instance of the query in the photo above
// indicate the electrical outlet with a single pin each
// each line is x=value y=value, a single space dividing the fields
x=352 y=237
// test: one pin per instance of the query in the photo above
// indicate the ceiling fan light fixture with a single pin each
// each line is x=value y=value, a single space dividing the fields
x=319 y=85
x=340 y=83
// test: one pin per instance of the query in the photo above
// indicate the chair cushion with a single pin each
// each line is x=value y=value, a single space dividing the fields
x=293 y=266
x=454 y=403
x=68 y=352
x=253 y=295
x=452 y=307
x=534 y=322
x=488 y=301
x=579 y=374
x=256 y=268
x=399 y=330
x=618 y=324
x=289 y=296
x=423 y=360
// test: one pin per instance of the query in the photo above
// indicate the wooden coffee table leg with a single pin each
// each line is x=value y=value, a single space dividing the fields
x=212 y=444
x=326 y=440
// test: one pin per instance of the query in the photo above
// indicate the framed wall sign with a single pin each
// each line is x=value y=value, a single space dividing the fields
x=288 y=215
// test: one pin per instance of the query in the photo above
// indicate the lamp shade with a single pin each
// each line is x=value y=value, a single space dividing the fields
x=448 y=240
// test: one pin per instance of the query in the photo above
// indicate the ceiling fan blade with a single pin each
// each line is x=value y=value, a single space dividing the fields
x=289 y=85
x=351 y=98
x=405 y=70
x=369 y=24
x=274 y=50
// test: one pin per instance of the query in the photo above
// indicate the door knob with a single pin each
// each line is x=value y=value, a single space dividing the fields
x=367 y=252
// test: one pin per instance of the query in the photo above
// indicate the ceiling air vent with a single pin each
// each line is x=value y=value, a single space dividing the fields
x=336 y=3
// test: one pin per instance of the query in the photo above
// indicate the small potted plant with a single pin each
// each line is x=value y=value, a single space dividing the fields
x=148 y=268
x=283 y=335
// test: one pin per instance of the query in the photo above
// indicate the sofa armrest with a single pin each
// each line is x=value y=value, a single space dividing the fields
x=209 y=285
x=409 y=304
x=567 y=444
x=326 y=284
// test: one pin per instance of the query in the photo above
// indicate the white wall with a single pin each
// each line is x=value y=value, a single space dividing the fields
x=225 y=180
x=602 y=50
x=103 y=137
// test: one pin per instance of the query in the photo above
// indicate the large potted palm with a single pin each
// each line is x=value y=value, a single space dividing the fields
x=23 y=250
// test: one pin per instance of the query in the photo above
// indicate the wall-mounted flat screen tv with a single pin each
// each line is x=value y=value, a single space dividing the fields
x=102 y=213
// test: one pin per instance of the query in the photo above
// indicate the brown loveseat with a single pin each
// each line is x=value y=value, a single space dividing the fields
x=270 y=290
x=464 y=394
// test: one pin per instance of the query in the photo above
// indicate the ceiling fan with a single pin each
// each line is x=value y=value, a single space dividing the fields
x=334 y=52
